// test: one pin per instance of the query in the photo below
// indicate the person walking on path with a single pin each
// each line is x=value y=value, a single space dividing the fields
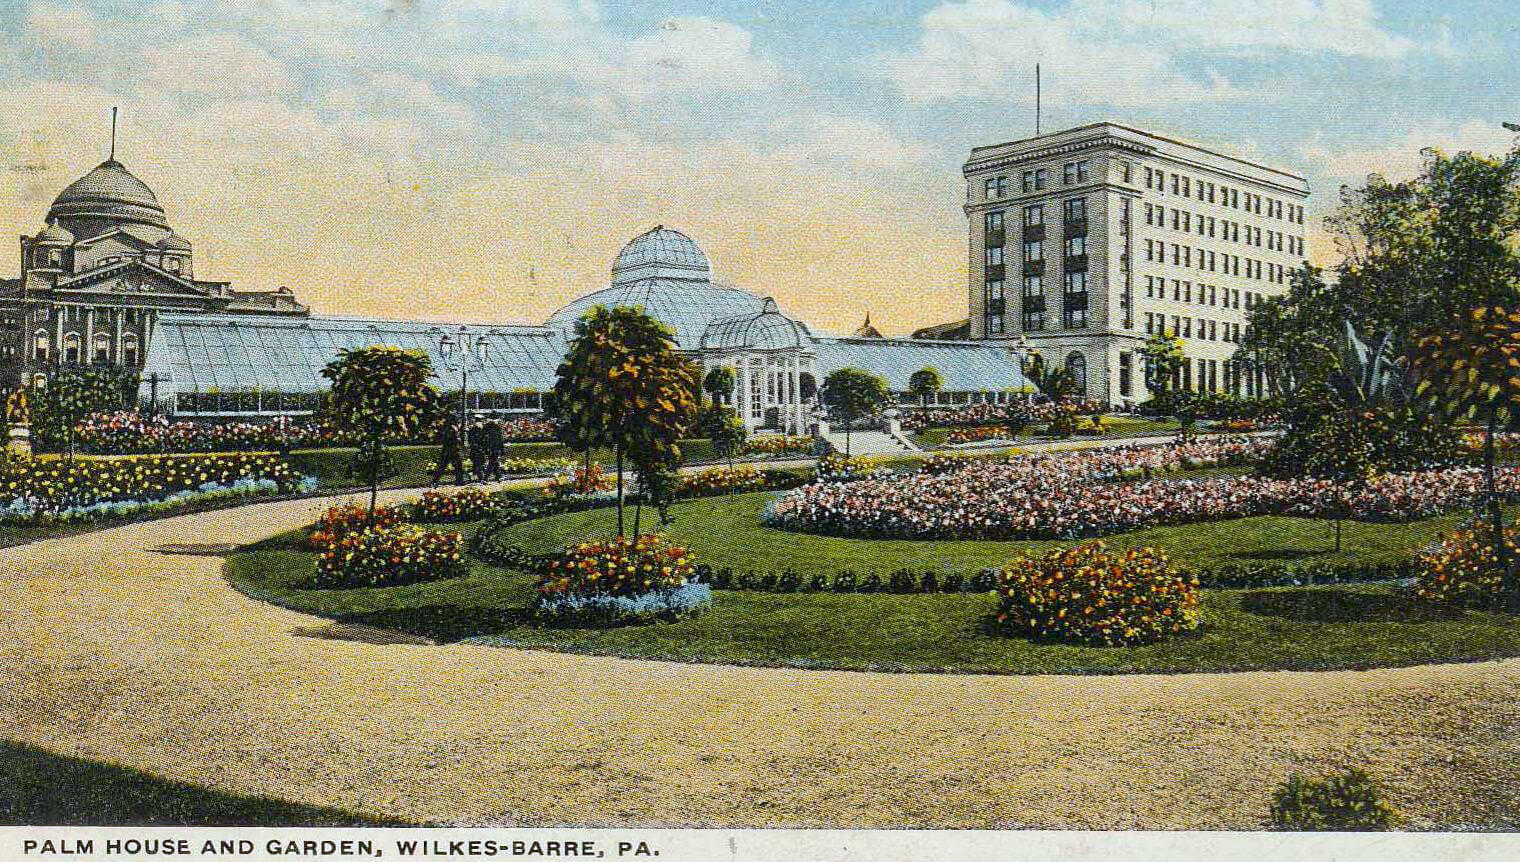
x=449 y=456
x=476 y=437
x=496 y=446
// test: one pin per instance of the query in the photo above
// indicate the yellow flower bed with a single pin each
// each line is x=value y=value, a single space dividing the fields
x=721 y=480
x=56 y=484
x=1091 y=596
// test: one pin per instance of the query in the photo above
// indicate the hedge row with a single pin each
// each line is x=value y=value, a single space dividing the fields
x=904 y=581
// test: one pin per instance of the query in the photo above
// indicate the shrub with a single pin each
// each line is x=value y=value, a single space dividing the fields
x=618 y=581
x=870 y=584
x=1462 y=569
x=818 y=583
x=844 y=582
x=952 y=583
x=340 y=520
x=388 y=557
x=1090 y=596
x=902 y=581
x=1349 y=802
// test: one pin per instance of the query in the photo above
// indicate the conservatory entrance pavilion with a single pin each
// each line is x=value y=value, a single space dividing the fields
x=252 y=366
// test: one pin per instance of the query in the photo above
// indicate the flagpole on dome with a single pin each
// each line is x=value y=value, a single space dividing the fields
x=113 y=134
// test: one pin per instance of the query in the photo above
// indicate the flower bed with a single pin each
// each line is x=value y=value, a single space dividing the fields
x=619 y=581
x=976 y=434
x=389 y=557
x=1090 y=596
x=340 y=520
x=1464 y=570
x=720 y=480
x=87 y=488
x=130 y=433
x=778 y=444
x=581 y=481
x=1070 y=495
x=839 y=467
x=465 y=504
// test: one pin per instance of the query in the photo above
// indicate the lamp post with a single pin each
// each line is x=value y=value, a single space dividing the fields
x=1025 y=354
x=463 y=354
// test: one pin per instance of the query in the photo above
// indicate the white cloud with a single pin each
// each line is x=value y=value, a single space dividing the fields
x=57 y=26
x=1122 y=52
x=699 y=53
x=1402 y=158
x=217 y=64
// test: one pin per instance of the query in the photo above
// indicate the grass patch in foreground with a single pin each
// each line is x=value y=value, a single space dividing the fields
x=1299 y=628
x=40 y=788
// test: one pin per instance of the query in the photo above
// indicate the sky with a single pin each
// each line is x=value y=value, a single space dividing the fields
x=484 y=160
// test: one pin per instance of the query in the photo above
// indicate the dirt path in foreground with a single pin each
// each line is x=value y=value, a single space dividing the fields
x=111 y=652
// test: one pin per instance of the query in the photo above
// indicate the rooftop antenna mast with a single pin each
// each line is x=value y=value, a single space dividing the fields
x=1036 y=103
x=113 y=133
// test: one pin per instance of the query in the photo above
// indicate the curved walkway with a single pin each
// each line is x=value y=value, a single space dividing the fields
x=112 y=652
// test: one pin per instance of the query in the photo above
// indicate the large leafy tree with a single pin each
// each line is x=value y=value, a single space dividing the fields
x=853 y=394
x=925 y=382
x=721 y=424
x=1472 y=368
x=622 y=385
x=378 y=392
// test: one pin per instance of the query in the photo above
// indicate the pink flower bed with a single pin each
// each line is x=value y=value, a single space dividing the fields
x=1073 y=495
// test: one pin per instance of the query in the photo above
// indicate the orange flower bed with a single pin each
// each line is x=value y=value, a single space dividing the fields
x=388 y=557
x=618 y=565
x=1463 y=569
x=1090 y=596
x=340 y=520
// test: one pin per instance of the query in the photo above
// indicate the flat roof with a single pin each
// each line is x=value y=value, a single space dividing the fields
x=1115 y=125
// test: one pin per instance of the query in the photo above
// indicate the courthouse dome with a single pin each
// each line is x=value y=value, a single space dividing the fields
x=108 y=193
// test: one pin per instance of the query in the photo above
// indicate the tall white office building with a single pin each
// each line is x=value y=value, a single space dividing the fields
x=1086 y=241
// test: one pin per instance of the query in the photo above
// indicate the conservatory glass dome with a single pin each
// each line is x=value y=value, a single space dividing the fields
x=664 y=272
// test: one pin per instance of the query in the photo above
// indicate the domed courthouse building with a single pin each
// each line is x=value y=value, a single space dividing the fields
x=107 y=282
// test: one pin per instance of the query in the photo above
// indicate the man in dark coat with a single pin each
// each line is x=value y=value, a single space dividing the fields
x=476 y=437
x=496 y=446
x=448 y=440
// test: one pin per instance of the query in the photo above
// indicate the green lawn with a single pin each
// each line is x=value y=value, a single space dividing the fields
x=1321 y=627
x=40 y=788
x=725 y=532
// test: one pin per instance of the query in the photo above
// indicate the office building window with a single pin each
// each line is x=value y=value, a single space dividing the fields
x=1034 y=250
x=1074 y=301
x=1034 y=215
x=1076 y=245
x=1074 y=210
x=1126 y=373
x=993 y=221
x=997 y=187
x=1125 y=172
x=1033 y=300
x=994 y=255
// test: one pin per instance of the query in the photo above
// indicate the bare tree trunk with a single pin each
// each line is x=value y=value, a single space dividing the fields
x=1507 y=586
x=619 y=450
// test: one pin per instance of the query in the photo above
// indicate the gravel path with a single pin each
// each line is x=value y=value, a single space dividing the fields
x=112 y=652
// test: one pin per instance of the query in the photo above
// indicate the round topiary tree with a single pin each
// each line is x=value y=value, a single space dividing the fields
x=853 y=394
x=378 y=392
x=925 y=382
